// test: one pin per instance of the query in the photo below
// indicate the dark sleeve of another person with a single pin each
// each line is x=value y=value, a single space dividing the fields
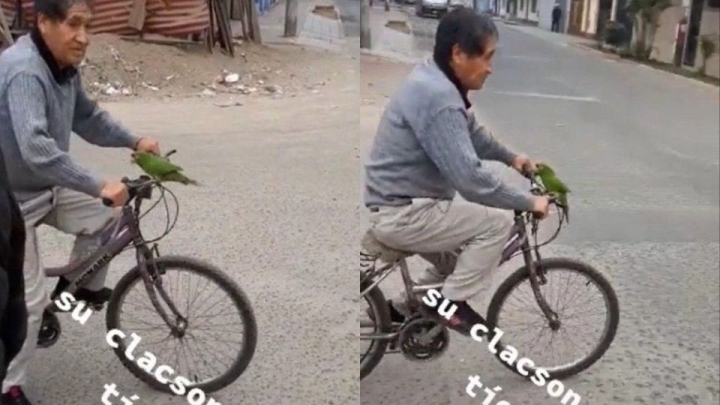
x=13 y=312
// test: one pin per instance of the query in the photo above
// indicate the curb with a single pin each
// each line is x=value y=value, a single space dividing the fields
x=676 y=76
x=619 y=59
x=390 y=56
x=604 y=55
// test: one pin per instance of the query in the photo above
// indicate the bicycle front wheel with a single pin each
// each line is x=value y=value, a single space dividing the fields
x=560 y=295
x=136 y=333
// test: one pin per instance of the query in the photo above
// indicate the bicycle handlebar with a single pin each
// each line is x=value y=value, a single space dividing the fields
x=538 y=190
x=136 y=188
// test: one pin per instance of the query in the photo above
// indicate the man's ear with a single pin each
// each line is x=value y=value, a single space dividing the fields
x=456 y=54
x=42 y=23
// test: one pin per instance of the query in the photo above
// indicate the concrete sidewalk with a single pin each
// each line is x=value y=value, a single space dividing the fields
x=312 y=29
x=391 y=36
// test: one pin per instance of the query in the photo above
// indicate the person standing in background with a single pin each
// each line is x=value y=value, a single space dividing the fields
x=556 y=15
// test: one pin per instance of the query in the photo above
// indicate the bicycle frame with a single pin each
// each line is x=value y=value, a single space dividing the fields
x=518 y=241
x=115 y=237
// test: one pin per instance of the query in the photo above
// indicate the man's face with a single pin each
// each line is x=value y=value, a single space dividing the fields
x=473 y=70
x=68 y=39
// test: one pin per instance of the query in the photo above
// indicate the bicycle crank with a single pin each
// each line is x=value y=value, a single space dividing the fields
x=423 y=339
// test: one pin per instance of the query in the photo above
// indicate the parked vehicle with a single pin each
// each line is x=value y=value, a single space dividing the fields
x=434 y=8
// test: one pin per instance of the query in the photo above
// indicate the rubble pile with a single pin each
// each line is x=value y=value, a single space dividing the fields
x=115 y=69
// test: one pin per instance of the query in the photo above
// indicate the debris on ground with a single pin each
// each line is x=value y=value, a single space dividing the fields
x=117 y=69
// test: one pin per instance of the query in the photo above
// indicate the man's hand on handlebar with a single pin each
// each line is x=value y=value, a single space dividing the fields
x=541 y=207
x=115 y=193
x=524 y=165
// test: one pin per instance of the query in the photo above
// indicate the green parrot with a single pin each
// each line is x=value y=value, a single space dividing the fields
x=160 y=168
x=553 y=185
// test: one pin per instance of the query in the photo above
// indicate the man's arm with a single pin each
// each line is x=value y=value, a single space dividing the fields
x=26 y=100
x=447 y=141
x=486 y=146
x=96 y=126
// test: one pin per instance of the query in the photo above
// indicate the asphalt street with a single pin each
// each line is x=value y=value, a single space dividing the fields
x=639 y=151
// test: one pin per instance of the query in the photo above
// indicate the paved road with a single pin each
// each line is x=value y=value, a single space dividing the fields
x=280 y=182
x=640 y=151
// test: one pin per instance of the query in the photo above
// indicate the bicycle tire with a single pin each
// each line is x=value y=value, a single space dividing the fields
x=523 y=274
x=383 y=324
x=238 y=296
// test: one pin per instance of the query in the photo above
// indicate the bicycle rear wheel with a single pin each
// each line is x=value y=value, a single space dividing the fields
x=552 y=266
x=383 y=324
x=205 y=275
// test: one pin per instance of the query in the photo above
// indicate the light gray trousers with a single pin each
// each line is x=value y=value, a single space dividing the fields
x=73 y=213
x=432 y=227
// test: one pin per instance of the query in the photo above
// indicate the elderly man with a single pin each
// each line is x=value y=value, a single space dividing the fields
x=428 y=147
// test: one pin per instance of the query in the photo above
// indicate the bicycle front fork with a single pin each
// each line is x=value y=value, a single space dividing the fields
x=151 y=274
x=537 y=278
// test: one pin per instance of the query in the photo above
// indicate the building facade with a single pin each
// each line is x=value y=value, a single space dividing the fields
x=523 y=10
x=588 y=18
x=703 y=18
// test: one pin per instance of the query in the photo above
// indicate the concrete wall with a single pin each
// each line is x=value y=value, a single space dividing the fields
x=482 y=5
x=502 y=7
x=525 y=11
x=665 y=36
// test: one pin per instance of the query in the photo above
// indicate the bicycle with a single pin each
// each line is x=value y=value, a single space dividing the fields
x=420 y=338
x=124 y=233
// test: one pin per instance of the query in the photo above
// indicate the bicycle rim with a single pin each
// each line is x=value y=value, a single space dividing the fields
x=383 y=324
x=521 y=276
x=208 y=275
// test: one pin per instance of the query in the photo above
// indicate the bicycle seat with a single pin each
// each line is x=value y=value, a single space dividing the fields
x=378 y=250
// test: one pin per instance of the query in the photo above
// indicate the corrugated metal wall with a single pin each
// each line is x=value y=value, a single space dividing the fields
x=179 y=19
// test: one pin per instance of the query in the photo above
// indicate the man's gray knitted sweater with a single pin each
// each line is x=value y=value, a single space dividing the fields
x=39 y=109
x=428 y=145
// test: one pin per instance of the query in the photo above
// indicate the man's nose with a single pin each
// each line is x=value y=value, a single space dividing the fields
x=82 y=36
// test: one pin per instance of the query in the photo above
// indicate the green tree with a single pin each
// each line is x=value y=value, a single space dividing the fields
x=646 y=14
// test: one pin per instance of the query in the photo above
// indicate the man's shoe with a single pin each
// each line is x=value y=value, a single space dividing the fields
x=395 y=315
x=94 y=299
x=15 y=396
x=462 y=321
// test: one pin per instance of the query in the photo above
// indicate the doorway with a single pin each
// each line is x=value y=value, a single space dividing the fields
x=577 y=8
